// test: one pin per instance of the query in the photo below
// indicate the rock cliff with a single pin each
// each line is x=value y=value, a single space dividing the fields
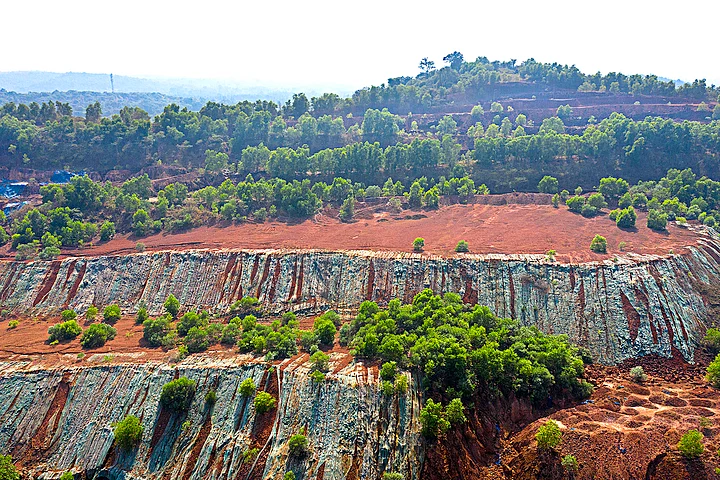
x=55 y=420
x=634 y=306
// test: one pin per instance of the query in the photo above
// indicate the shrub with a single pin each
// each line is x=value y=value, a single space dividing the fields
x=197 y=340
x=575 y=204
x=128 y=432
x=691 y=444
x=462 y=247
x=711 y=341
x=107 y=231
x=67 y=476
x=111 y=314
x=392 y=476
x=401 y=383
x=598 y=244
x=588 y=211
x=325 y=330
x=713 y=372
x=597 y=200
x=548 y=184
x=7 y=468
x=550 y=255
x=626 y=218
x=247 y=387
x=91 y=313
x=64 y=331
x=249 y=455
x=317 y=376
x=140 y=247
x=455 y=411
x=638 y=374
x=68 y=315
x=432 y=419
x=172 y=305
x=211 y=397
x=570 y=463
x=264 y=402
x=418 y=244
x=320 y=362
x=155 y=330
x=177 y=395
x=289 y=475
x=656 y=220
x=548 y=435
x=298 y=445
x=142 y=315
x=96 y=335
x=388 y=370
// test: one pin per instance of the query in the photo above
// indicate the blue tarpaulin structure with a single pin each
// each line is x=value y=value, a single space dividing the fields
x=63 y=176
x=10 y=189
x=11 y=207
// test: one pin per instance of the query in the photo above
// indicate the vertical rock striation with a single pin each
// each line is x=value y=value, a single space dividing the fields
x=638 y=305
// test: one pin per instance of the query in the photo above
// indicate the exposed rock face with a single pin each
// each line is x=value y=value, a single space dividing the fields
x=633 y=307
x=58 y=420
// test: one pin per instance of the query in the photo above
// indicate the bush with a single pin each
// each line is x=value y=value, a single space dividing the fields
x=317 y=376
x=325 y=330
x=298 y=445
x=548 y=435
x=570 y=463
x=64 y=331
x=401 y=383
x=691 y=444
x=626 y=218
x=128 y=432
x=432 y=419
x=548 y=184
x=68 y=315
x=142 y=315
x=188 y=321
x=67 y=476
x=172 y=305
x=588 y=211
x=177 y=395
x=462 y=247
x=211 y=397
x=264 y=402
x=91 y=313
x=96 y=335
x=320 y=362
x=711 y=341
x=107 y=231
x=140 y=247
x=575 y=204
x=598 y=244
x=392 y=476
x=247 y=387
x=13 y=324
x=7 y=468
x=249 y=455
x=155 y=330
x=111 y=314
x=388 y=370
x=418 y=244
x=289 y=475
x=197 y=340
x=656 y=220
x=455 y=411
x=713 y=372
x=597 y=200
x=638 y=374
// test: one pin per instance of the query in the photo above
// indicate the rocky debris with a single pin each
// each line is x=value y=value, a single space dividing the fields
x=54 y=420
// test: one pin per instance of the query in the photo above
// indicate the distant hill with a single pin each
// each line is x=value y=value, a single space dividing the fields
x=81 y=89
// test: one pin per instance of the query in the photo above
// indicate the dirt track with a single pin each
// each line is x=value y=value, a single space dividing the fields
x=507 y=229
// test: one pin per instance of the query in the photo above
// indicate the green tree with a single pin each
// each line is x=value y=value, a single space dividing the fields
x=419 y=244
x=91 y=313
x=656 y=220
x=64 y=331
x=548 y=435
x=128 y=432
x=455 y=411
x=462 y=247
x=713 y=372
x=298 y=445
x=548 y=184
x=432 y=419
x=598 y=244
x=347 y=210
x=454 y=59
x=325 y=330
x=172 y=305
x=93 y=112
x=264 y=402
x=177 y=395
x=216 y=161
x=107 y=231
x=426 y=65
x=96 y=335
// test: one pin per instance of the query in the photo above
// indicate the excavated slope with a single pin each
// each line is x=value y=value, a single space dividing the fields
x=54 y=420
x=637 y=305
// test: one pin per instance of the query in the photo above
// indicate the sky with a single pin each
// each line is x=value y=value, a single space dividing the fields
x=348 y=45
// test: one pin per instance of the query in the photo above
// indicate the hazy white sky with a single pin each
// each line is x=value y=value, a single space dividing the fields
x=354 y=44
